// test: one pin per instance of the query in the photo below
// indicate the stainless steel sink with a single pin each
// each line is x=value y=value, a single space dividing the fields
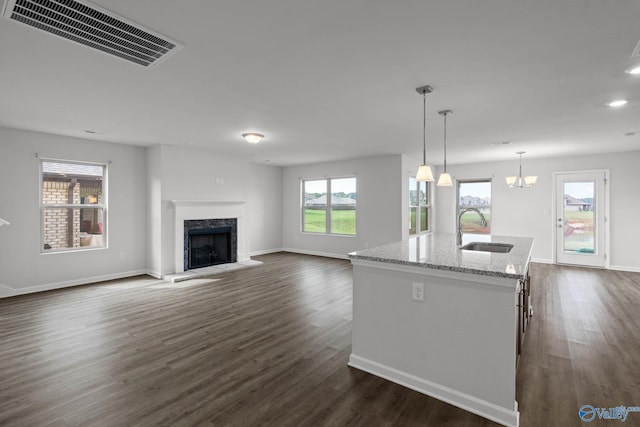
x=502 y=248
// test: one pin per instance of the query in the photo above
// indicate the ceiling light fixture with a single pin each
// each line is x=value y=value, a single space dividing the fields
x=519 y=181
x=635 y=70
x=3 y=222
x=445 y=178
x=424 y=173
x=252 y=137
x=617 y=103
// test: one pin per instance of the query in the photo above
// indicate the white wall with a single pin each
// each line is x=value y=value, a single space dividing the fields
x=23 y=268
x=528 y=212
x=154 y=211
x=379 y=212
x=200 y=174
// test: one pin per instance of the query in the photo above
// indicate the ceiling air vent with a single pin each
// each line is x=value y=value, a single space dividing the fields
x=92 y=26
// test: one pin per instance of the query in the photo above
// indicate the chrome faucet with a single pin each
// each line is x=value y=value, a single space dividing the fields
x=483 y=222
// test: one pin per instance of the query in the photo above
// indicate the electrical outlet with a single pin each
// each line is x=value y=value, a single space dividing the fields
x=417 y=291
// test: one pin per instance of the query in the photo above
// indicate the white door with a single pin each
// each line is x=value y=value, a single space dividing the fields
x=580 y=218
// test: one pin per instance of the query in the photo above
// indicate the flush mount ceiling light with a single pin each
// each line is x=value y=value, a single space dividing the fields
x=445 y=178
x=617 y=103
x=519 y=181
x=252 y=137
x=424 y=173
x=635 y=70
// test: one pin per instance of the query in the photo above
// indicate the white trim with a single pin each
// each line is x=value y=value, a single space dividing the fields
x=266 y=251
x=542 y=260
x=493 y=412
x=607 y=213
x=624 y=268
x=74 y=282
x=316 y=253
x=154 y=274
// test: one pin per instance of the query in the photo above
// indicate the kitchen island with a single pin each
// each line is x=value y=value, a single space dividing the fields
x=443 y=320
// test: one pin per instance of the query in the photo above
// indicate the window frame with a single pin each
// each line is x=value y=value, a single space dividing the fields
x=419 y=208
x=103 y=206
x=327 y=206
x=490 y=206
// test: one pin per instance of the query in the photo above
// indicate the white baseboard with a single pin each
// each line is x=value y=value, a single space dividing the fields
x=69 y=283
x=456 y=398
x=611 y=267
x=316 y=253
x=266 y=251
x=625 y=268
x=5 y=291
x=154 y=274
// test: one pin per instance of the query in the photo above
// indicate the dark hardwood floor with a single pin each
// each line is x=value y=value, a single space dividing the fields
x=269 y=346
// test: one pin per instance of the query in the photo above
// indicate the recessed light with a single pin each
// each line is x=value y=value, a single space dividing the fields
x=252 y=137
x=634 y=70
x=617 y=103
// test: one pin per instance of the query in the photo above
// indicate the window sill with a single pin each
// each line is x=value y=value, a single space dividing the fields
x=72 y=250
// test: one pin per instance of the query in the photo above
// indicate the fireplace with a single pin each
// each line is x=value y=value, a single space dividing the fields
x=210 y=242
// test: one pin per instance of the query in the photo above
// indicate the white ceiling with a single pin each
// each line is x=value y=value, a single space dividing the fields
x=327 y=80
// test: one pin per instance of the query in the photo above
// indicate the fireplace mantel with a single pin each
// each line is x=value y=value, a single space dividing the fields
x=207 y=209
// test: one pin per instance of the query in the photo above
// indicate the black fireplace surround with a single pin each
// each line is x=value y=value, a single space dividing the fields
x=210 y=242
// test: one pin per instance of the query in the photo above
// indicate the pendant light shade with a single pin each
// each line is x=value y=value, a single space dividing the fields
x=520 y=181
x=445 y=178
x=424 y=174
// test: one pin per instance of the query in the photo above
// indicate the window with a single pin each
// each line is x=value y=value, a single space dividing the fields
x=72 y=205
x=419 y=206
x=474 y=194
x=329 y=215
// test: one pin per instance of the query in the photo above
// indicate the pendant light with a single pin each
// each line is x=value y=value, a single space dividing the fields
x=445 y=178
x=424 y=173
x=519 y=181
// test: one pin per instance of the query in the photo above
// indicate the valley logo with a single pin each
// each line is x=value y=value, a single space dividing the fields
x=588 y=413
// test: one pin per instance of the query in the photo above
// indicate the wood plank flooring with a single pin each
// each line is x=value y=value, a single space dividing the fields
x=269 y=346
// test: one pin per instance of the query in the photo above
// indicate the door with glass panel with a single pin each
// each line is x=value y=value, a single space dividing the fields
x=580 y=219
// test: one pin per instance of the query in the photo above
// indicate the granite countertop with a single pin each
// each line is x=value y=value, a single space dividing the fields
x=439 y=251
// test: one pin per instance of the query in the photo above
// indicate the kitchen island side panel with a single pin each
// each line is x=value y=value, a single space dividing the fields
x=461 y=337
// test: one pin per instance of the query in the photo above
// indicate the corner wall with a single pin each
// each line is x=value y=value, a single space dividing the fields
x=528 y=211
x=23 y=268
